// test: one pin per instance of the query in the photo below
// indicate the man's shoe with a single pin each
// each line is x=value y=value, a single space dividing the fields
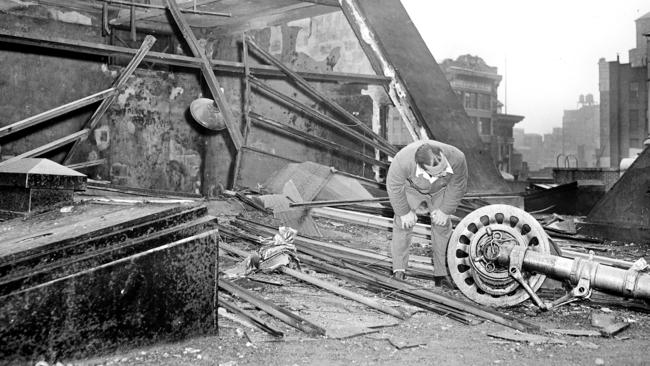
x=399 y=275
x=444 y=282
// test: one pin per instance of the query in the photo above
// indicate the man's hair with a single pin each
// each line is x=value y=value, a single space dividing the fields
x=425 y=154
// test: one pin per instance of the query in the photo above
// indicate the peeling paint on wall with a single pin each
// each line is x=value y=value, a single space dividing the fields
x=130 y=127
x=175 y=92
x=102 y=137
x=329 y=38
x=122 y=97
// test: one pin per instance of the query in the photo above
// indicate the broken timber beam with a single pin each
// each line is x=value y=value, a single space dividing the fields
x=272 y=309
x=246 y=99
x=50 y=146
x=98 y=49
x=327 y=286
x=288 y=101
x=357 y=277
x=340 y=250
x=329 y=203
x=345 y=293
x=119 y=83
x=86 y=164
x=208 y=74
x=407 y=288
x=221 y=301
x=441 y=299
x=294 y=132
x=312 y=92
x=55 y=112
x=360 y=218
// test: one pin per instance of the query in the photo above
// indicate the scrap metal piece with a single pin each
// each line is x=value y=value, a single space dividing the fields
x=476 y=244
x=497 y=252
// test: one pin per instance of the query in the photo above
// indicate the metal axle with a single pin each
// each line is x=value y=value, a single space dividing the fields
x=628 y=283
x=499 y=255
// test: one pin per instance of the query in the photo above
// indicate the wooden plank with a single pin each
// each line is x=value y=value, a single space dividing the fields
x=119 y=83
x=320 y=117
x=252 y=318
x=208 y=74
x=86 y=164
x=246 y=109
x=294 y=132
x=328 y=286
x=407 y=288
x=345 y=293
x=330 y=203
x=448 y=301
x=359 y=218
x=312 y=92
x=613 y=329
x=98 y=49
x=372 y=285
x=50 y=146
x=325 y=246
x=272 y=309
x=305 y=256
x=55 y=112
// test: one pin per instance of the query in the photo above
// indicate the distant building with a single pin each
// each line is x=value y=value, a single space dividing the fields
x=530 y=146
x=540 y=152
x=553 y=154
x=476 y=84
x=639 y=54
x=624 y=102
x=581 y=132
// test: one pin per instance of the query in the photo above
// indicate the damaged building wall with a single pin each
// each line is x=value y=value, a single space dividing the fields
x=32 y=82
x=323 y=43
x=150 y=140
x=148 y=137
x=145 y=135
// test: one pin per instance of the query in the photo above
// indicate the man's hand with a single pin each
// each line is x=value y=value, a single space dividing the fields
x=408 y=220
x=439 y=218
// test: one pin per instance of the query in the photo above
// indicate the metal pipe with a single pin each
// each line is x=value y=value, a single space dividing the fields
x=628 y=283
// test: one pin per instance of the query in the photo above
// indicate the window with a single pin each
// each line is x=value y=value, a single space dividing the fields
x=468 y=100
x=486 y=126
x=634 y=91
x=634 y=122
x=474 y=101
x=484 y=102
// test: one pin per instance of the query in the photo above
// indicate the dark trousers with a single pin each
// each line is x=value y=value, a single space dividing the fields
x=401 y=242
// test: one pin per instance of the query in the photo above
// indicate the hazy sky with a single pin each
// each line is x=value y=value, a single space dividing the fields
x=547 y=51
